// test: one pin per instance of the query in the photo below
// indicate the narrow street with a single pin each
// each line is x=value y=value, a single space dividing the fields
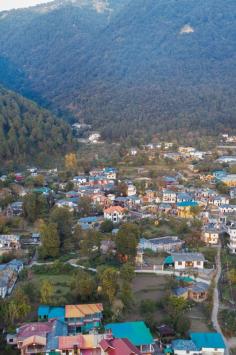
x=216 y=301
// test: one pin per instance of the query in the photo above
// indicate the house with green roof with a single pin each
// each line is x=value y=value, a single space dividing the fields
x=136 y=332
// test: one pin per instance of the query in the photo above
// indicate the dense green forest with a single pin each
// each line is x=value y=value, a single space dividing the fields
x=140 y=66
x=29 y=133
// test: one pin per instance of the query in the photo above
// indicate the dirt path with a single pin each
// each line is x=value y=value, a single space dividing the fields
x=216 y=302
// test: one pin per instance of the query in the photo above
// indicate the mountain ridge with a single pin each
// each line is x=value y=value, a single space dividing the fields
x=152 y=64
x=28 y=132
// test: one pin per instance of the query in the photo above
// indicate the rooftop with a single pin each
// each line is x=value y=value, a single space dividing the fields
x=182 y=344
x=187 y=204
x=82 y=310
x=119 y=347
x=113 y=209
x=51 y=312
x=208 y=340
x=165 y=240
x=137 y=332
x=188 y=257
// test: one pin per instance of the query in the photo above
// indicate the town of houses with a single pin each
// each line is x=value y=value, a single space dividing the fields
x=206 y=199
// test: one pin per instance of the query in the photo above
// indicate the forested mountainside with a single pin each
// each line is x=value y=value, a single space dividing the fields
x=28 y=132
x=127 y=66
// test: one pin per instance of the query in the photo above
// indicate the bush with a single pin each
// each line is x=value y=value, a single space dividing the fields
x=147 y=307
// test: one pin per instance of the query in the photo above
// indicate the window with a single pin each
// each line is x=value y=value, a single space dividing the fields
x=179 y=262
x=198 y=262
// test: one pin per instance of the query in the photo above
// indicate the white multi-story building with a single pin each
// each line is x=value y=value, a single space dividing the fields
x=231 y=230
x=169 y=196
x=9 y=241
x=131 y=190
x=114 y=213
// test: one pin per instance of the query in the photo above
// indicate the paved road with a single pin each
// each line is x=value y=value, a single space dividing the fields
x=216 y=302
x=71 y=262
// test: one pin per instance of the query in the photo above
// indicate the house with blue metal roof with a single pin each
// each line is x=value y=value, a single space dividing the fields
x=8 y=276
x=181 y=292
x=160 y=244
x=197 y=291
x=209 y=343
x=89 y=222
x=199 y=344
x=52 y=338
x=184 y=347
x=184 y=197
x=50 y=312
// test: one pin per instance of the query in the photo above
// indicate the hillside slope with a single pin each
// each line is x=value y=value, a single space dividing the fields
x=29 y=133
x=128 y=65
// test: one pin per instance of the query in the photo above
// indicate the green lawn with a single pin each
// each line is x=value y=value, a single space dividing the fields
x=61 y=283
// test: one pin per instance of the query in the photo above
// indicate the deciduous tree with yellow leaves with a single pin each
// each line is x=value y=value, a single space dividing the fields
x=71 y=162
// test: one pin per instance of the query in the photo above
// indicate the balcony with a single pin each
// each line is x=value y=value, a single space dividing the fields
x=232 y=248
x=34 y=350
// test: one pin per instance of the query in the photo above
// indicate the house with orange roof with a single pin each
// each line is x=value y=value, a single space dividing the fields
x=114 y=213
x=96 y=344
x=83 y=317
x=33 y=345
x=101 y=200
x=80 y=344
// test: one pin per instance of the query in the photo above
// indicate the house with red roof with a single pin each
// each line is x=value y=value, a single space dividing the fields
x=118 y=347
x=30 y=338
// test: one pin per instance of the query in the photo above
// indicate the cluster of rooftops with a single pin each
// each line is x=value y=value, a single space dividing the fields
x=60 y=330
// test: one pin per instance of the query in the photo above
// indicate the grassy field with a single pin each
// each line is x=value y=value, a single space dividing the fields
x=61 y=283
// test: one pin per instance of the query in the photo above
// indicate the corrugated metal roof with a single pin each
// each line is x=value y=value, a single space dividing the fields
x=59 y=329
x=34 y=339
x=208 y=340
x=136 y=332
x=51 y=312
x=81 y=310
x=182 y=344
x=187 y=257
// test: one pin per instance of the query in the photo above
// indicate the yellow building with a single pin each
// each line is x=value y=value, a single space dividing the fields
x=229 y=180
x=185 y=210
